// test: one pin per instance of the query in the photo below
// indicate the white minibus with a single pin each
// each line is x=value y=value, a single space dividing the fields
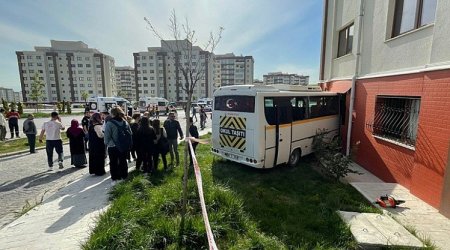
x=263 y=126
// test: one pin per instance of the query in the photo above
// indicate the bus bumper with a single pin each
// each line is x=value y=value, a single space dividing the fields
x=238 y=158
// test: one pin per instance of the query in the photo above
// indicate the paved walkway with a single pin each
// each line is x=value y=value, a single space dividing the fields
x=65 y=219
x=415 y=213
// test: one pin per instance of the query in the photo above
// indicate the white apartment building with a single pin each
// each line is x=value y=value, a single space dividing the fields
x=285 y=78
x=157 y=71
x=67 y=68
x=233 y=70
x=126 y=83
x=7 y=94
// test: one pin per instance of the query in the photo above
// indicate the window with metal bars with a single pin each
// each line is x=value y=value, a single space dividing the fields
x=397 y=118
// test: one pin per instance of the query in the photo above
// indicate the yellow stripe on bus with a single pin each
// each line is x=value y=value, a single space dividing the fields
x=302 y=121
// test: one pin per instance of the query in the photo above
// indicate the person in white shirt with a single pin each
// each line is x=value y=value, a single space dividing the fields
x=53 y=139
x=2 y=125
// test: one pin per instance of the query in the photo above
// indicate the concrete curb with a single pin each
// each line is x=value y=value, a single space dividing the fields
x=23 y=151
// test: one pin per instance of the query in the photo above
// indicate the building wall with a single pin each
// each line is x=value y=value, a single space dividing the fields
x=424 y=47
x=125 y=82
x=67 y=69
x=233 y=70
x=421 y=170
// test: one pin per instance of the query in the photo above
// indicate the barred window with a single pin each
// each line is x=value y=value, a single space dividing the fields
x=397 y=118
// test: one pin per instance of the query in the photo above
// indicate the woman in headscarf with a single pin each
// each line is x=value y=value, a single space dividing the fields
x=76 y=140
x=97 y=151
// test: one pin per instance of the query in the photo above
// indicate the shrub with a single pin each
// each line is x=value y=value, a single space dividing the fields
x=20 y=108
x=69 y=108
x=59 y=106
x=328 y=152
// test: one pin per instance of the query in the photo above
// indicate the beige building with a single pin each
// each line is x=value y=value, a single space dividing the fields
x=157 y=71
x=233 y=70
x=67 y=68
x=126 y=83
x=285 y=78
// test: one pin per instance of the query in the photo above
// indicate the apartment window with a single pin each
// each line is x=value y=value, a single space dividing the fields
x=29 y=57
x=89 y=78
x=81 y=78
x=345 y=40
x=88 y=72
x=52 y=78
x=24 y=71
x=144 y=78
x=150 y=57
x=41 y=71
x=30 y=64
x=98 y=66
x=144 y=64
x=49 y=58
x=80 y=65
x=397 y=118
x=143 y=57
x=41 y=78
x=144 y=71
x=79 y=58
x=151 y=64
x=27 y=79
x=80 y=71
x=50 y=65
x=152 y=71
x=82 y=85
x=87 y=58
x=88 y=65
x=152 y=78
x=31 y=71
x=412 y=14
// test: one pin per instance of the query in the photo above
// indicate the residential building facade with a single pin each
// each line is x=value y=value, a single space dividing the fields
x=158 y=71
x=126 y=83
x=285 y=78
x=233 y=70
x=7 y=94
x=394 y=57
x=68 y=69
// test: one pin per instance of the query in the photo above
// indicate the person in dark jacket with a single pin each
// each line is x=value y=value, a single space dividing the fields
x=117 y=158
x=13 y=122
x=85 y=127
x=29 y=129
x=145 y=138
x=134 y=125
x=97 y=154
x=173 y=128
x=193 y=131
x=76 y=142
x=160 y=149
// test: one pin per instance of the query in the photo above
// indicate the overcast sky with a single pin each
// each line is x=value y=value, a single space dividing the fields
x=281 y=35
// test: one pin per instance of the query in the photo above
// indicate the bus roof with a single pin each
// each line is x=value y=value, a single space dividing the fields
x=276 y=88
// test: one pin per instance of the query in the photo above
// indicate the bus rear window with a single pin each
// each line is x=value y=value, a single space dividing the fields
x=235 y=103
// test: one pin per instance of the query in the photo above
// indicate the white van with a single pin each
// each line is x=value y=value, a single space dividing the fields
x=104 y=104
x=148 y=102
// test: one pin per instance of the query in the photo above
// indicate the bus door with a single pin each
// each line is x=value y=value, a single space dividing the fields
x=278 y=112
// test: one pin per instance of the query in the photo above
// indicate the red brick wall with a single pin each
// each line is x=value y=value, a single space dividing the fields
x=421 y=170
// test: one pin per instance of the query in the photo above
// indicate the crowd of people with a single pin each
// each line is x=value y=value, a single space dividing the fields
x=122 y=139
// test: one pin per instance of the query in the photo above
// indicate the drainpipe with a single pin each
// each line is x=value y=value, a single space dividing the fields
x=353 y=90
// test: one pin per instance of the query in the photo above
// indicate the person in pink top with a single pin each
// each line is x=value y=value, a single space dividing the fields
x=52 y=129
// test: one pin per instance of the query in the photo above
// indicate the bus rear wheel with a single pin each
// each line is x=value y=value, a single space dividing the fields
x=294 y=158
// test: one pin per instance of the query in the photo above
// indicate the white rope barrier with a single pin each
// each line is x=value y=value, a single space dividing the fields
x=198 y=178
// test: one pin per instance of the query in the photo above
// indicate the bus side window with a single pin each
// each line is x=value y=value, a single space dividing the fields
x=284 y=109
x=315 y=106
x=269 y=110
x=299 y=109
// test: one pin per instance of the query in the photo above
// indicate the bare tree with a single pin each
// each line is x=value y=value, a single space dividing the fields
x=193 y=70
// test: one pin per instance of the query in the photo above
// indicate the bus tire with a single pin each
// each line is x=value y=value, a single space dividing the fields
x=294 y=158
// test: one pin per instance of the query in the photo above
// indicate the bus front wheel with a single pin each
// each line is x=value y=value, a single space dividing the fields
x=294 y=158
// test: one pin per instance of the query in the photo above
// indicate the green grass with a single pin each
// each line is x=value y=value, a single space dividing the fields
x=22 y=144
x=282 y=208
x=47 y=115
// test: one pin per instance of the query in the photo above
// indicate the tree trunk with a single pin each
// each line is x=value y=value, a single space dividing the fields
x=186 y=155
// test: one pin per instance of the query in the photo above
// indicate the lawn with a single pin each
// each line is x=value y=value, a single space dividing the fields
x=281 y=208
x=22 y=144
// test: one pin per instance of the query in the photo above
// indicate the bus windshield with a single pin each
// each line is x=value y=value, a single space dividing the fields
x=235 y=103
